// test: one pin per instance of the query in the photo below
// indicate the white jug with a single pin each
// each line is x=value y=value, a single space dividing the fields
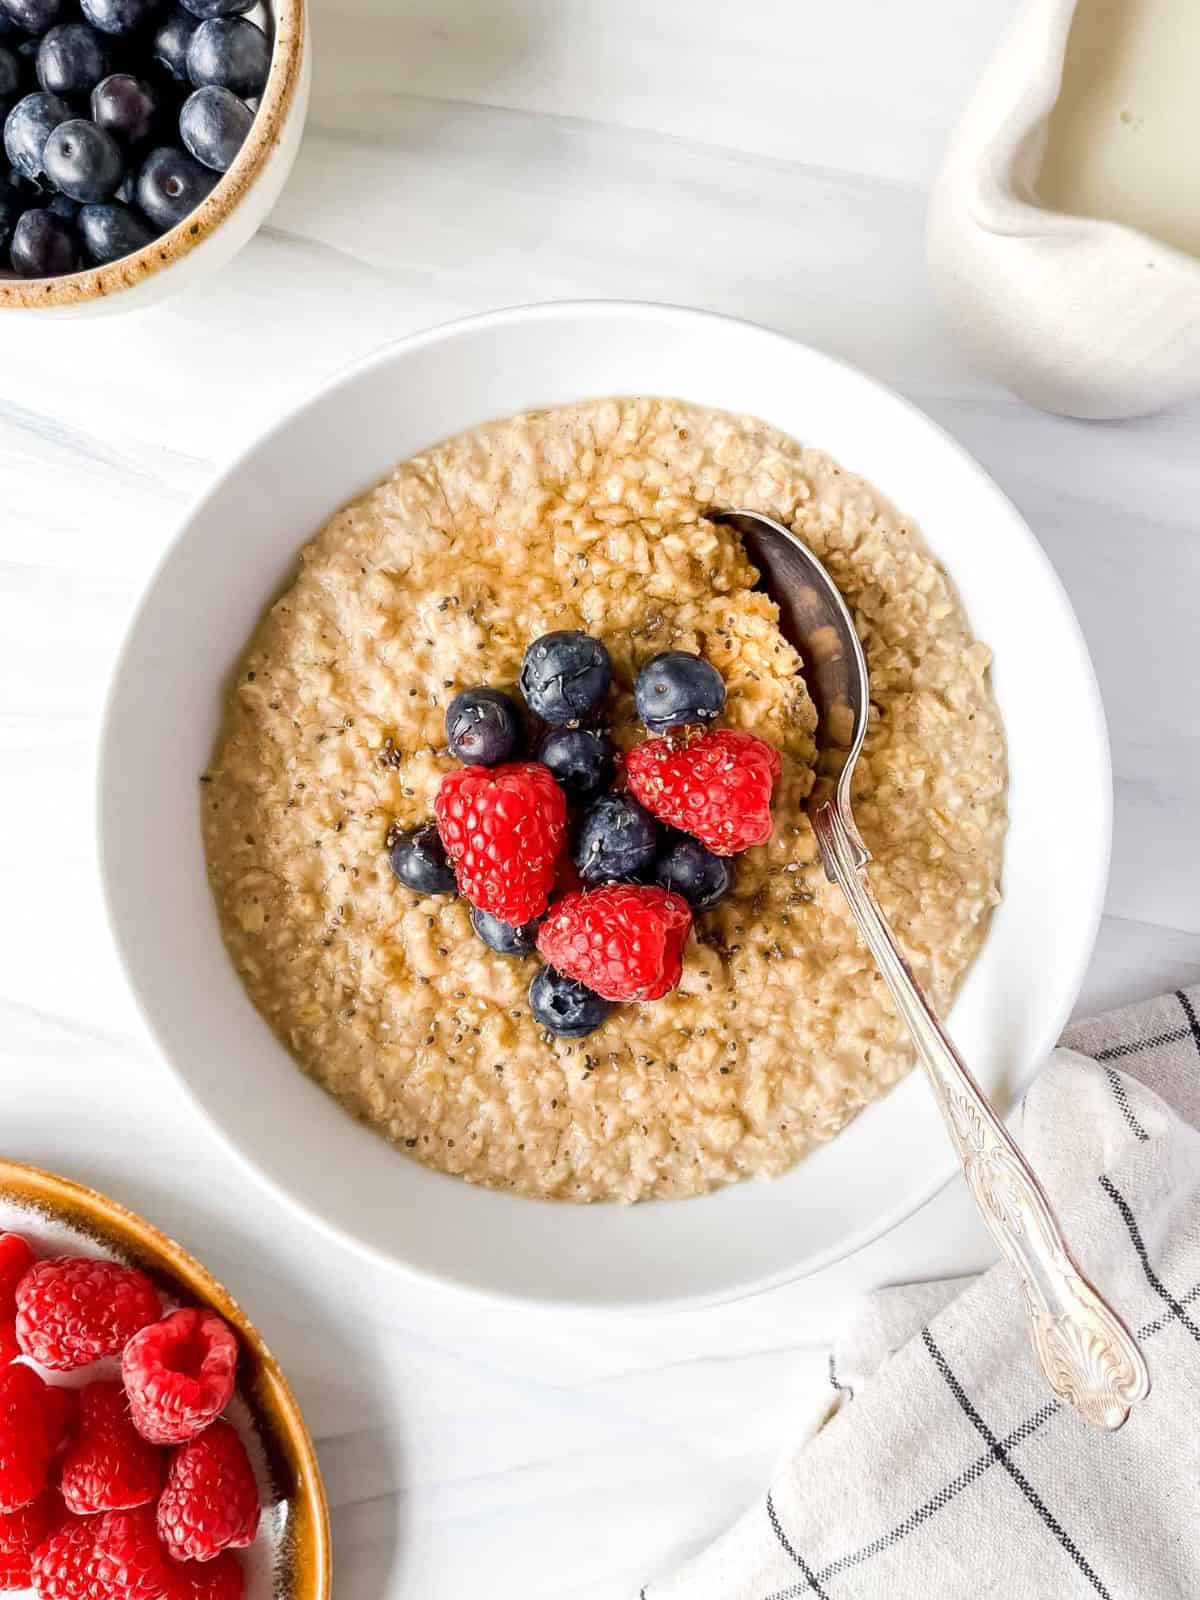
x=1081 y=316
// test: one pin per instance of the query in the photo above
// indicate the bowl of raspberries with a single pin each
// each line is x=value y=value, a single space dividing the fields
x=593 y=859
x=150 y=1448
x=139 y=135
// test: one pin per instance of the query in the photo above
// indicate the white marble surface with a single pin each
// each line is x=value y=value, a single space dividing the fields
x=768 y=158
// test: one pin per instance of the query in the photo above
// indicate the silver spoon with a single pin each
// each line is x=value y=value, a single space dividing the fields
x=1088 y=1356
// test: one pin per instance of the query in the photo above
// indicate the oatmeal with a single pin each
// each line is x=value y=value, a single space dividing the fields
x=592 y=517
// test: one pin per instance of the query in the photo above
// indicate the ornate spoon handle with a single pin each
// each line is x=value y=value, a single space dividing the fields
x=1088 y=1356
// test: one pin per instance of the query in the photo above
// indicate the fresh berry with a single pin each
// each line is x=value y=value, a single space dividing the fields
x=130 y=1562
x=43 y=246
x=10 y=78
x=82 y=161
x=125 y=107
x=507 y=938
x=33 y=16
x=583 y=761
x=565 y=1007
x=72 y=1310
x=171 y=40
x=60 y=1407
x=503 y=829
x=213 y=124
x=12 y=204
x=618 y=838
x=230 y=53
x=111 y=231
x=29 y=1436
x=565 y=677
x=210 y=1502
x=63 y=1567
x=483 y=726
x=179 y=1374
x=624 y=941
x=71 y=59
x=717 y=787
x=108 y=1466
x=418 y=858
x=117 y=16
x=9 y=1348
x=676 y=688
x=171 y=185
x=691 y=869
x=222 y=1578
x=27 y=127
x=217 y=8
x=20 y=1534
x=16 y=1258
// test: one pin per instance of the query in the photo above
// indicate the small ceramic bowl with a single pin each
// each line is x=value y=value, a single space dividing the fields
x=290 y=1559
x=227 y=219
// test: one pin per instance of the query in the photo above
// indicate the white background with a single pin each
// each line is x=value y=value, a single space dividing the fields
x=769 y=160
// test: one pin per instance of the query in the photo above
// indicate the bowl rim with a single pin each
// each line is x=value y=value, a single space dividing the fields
x=939 y=1172
x=290 y=29
x=81 y=1204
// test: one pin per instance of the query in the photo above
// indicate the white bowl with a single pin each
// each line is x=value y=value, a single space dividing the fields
x=238 y=546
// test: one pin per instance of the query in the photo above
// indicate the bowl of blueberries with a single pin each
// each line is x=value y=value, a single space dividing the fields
x=140 y=136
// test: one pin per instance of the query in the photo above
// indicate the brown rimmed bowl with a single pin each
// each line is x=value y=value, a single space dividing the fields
x=291 y=1560
x=226 y=220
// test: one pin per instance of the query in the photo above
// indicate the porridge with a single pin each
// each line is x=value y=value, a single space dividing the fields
x=592 y=517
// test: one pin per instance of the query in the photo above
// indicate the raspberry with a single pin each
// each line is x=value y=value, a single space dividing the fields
x=219 y=1579
x=20 y=1534
x=16 y=1258
x=179 y=1374
x=108 y=1465
x=210 y=1502
x=625 y=942
x=63 y=1567
x=30 y=1432
x=130 y=1562
x=503 y=829
x=9 y=1348
x=73 y=1310
x=716 y=787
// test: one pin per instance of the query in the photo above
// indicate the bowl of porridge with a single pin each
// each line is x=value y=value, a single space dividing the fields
x=278 y=722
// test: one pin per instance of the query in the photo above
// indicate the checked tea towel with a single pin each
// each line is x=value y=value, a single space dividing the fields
x=943 y=1469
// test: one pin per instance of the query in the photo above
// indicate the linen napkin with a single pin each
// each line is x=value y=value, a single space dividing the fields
x=942 y=1465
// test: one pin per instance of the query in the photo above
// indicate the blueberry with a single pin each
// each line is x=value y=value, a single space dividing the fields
x=230 y=53
x=583 y=761
x=124 y=106
x=564 y=1006
x=28 y=126
x=111 y=231
x=213 y=124
x=117 y=16
x=12 y=203
x=565 y=676
x=217 y=8
x=418 y=859
x=617 y=838
x=71 y=59
x=171 y=185
x=677 y=688
x=483 y=727
x=33 y=16
x=171 y=40
x=694 y=872
x=83 y=161
x=10 y=75
x=509 y=938
x=43 y=246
